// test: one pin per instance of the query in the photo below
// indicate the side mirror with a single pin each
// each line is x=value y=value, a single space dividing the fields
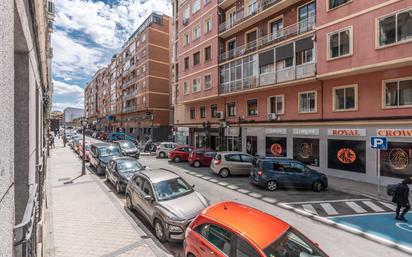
x=193 y=186
x=144 y=166
x=148 y=197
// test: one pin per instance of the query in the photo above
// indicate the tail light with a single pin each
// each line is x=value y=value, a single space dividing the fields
x=217 y=162
x=260 y=173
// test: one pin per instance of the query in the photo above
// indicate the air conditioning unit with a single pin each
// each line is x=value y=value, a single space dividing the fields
x=272 y=116
x=220 y=115
x=185 y=21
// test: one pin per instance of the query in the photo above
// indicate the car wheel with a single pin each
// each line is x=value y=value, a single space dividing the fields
x=129 y=204
x=271 y=185
x=159 y=231
x=196 y=164
x=162 y=155
x=118 y=189
x=317 y=186
x=224 y=173
x=176 y=159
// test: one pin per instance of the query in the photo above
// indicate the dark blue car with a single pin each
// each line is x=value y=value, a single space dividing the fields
x=273 y=173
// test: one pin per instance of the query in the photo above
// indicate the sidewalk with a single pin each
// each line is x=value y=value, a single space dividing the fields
x=84 y=219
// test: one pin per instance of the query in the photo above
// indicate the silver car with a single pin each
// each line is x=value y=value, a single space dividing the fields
x=166 y=200
x=231 y=163
x=164 y=148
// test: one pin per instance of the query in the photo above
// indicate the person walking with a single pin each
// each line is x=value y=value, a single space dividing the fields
x=401 y=198
x=52 y=142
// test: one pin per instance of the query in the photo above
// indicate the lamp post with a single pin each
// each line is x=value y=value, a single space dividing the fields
x=84 y=124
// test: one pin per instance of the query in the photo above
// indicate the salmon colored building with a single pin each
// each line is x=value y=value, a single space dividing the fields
x=309 y=80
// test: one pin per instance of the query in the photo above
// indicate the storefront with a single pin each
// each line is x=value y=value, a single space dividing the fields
x=306 y=146
x=182 y=135
x=206 y=137
x=232 y=139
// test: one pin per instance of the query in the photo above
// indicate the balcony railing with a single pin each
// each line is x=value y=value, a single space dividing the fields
x=270 y=39
x=25 y=233
x=129 y=109
x=130 y=95
x=270 y=78
x=128 y=83
x=240 y=15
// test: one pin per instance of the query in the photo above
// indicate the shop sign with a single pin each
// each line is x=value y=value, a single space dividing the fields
x=395 y=132
x=341 y=132
x=276 y=146
x=232 y=131
x=183 y=129
x=306 y=132
x=276 y=131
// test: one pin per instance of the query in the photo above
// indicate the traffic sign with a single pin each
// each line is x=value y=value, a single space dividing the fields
x=380 y=143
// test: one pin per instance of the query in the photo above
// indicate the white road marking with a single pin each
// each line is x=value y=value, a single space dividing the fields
x=388 y=205
x=329 y=201
x=232 y=187
x=309 y=208
x=244 y=191
x=213 y=180
x=269 y=199
x=373 y=206
x=356 y=207
x=329 y=209
x=206 y=177
x=255 y=195
x=223 y=183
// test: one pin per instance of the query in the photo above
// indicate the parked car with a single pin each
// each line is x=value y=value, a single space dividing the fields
x=201 y=157
x=128 y=148
x=74 y=140
x=164 y=148
x=101 y=154
x=87 y=153
x=76 y=144
x=102 y=136
x=231 y=163
x=149 y=147
x=233 y=229
x=115 y=136
x=180 y=153
x=273 y=173
x=120 y=170
x=166 y=200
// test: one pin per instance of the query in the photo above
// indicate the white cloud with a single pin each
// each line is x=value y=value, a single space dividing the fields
x=60 y=106
x=61 y=88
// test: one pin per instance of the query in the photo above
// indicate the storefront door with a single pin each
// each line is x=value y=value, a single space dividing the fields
x=232 y=143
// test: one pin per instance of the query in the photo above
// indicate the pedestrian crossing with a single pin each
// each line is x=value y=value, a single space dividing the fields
x=343 y=207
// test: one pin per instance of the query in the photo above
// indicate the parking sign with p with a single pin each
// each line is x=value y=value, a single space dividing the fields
x=380 y=143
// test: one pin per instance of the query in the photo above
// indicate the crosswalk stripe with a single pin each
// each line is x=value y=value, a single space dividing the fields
x=309 y=208
x=329 y=209
x=355 y=207
x=388 y=205
x=373 y=206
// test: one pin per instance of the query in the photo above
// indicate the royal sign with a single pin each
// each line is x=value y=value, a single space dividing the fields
x=347 y=132
x=394 y=132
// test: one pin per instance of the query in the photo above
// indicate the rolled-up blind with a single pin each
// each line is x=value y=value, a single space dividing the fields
x=284 y=52
x=304 y=44
x=266 y=58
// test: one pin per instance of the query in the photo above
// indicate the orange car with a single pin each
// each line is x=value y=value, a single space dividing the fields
x=236 y=230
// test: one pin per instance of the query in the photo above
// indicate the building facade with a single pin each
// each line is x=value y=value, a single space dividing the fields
x=26 y=90
x=132 y=93
x=309 y=80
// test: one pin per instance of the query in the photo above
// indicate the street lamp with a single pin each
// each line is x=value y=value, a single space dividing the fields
x=84 y=124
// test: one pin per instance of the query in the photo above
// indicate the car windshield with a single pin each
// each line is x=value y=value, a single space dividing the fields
x=126 y=166
x=293 y=244
x=171 y=189
x=87 y=147
x=109 y=151
x=127 y=145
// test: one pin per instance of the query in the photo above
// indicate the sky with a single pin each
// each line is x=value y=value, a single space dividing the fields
x=87 y=33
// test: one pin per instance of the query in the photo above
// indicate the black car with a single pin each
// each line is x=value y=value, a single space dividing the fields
x=101 y=154
x=128 y=148
x=273 y=173
x=120 y=170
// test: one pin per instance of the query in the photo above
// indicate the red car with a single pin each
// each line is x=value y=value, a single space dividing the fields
x=180 y=153
x=87 y=146
x=233 y=229
x=201 y=157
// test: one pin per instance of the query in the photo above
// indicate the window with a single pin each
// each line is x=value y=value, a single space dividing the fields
x=246 y=158
x=207 y=2
x=233 y=158
x=196 y=6
x=276 y=28
x=340 y=43
x=395 y=28
x=208 y=81
x=216 y=236
x=186 y=39
x=143 y=68
x=345 y=98
x=305 y=56
x=307 y=101
x=202 y=112
x=208 y=25
x=252 y=107
x=398 y=93
x=337 y=3
x=146 y=188
x=192 y=113
x=244 y=249
x=186 y=63
x=196 y=32
x=186 y=13
x=231 y=109
x=252 y=7
x=276 y=104
x=196 y=85
x=196 y=58
x=143 y=38
x=213 y=110
x=208 y=53
x=185 y=88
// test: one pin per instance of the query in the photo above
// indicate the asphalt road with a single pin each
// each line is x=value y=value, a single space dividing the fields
x=332 y=240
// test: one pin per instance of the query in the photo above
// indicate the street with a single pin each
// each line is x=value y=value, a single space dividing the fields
x=329 y=203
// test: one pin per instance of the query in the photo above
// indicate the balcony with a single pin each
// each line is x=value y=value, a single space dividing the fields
x=132 y=108
x=296 y=29
x=225 y=3
x=128 y=83
x=271 y=78
x=244 y=18
x=130 y=95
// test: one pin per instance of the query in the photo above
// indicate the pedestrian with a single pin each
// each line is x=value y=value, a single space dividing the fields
x=64 y=141
x=401 y=198
x=52 y=142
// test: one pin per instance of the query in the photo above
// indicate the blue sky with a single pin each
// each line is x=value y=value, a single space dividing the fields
x=86 y=35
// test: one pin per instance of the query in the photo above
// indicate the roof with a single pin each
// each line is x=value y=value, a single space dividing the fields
x=158 y=175
x=103 y=144
x=259 y=227
x=125 y=158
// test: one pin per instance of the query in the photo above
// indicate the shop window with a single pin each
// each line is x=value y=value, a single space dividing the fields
x=395 y=28
x=307 y=102
x=196 y=58
x=202 y=112
x=208 y=81
x=337 y=3
x=340 y=43
x=192 y=113
x=398 y=93
x=252 y=107
x=213 y=110
x=231 y=109
x=276 y=104
x=345 y=98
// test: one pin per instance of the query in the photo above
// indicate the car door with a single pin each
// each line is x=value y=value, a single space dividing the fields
x=136 y=192
x=109 y=171
x=244 y=249
x=235 y=163
x=283 y=172
x=302 y=177
x=93 y=156
x=147 y=205
x=214 y=241
x=208 y=157
x=247 y=161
